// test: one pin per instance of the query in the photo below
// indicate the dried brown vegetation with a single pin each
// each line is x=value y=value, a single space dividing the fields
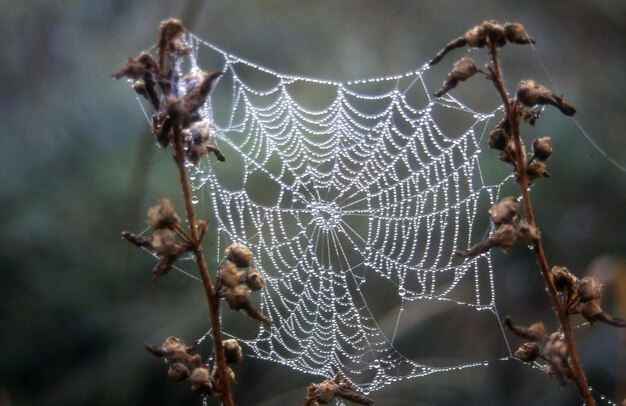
x=569 y=295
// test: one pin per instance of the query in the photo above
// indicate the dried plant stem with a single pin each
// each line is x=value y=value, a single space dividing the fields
x=513 y=119
x=216 y=330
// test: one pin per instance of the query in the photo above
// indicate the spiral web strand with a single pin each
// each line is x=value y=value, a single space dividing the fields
x=339 y=200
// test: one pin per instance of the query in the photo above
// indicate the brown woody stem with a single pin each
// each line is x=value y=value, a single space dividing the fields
x=513 y=119
x=220 y=358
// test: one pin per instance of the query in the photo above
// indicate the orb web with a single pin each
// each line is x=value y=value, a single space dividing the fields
x=346 y=191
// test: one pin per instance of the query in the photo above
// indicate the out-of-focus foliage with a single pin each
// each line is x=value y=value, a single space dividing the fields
x=77 y=166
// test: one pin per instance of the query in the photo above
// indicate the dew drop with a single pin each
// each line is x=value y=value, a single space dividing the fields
x=401 y=292
x=194 y=199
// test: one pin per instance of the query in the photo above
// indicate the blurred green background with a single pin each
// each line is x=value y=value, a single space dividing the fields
x=78 y=166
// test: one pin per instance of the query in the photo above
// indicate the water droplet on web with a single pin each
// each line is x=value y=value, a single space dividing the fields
x=194 y=199
x=401 y=292
x=192 y=177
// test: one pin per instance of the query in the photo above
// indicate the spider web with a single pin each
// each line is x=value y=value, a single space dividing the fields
x=346 y=192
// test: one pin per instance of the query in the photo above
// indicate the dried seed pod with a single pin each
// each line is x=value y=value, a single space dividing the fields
x=535 y=171
x=229 y=275
x=239 y=254
x=542 y=148
x=326 y=391
x=178 y=372
x=476 y=37
x=173 y=350
x=528 y=352
x=526 y=232
x=200 y=381
x=163 y=266
x=592 y=312
x=237 y=297
x=504 y=211
x=163 y=215
x=534 y=332
x=503 y=237
x=163 y=242
x=509 y=154
x=589 y=289
x=196 y=96
x=531 y=94
x=255 y=279
x=516 y=34
x=197 y=141
x=557 y=357
x=495 y=32
x=233 y=351
x=462 y=70
x=564 y=281
x=169 y=31
x=498 y=139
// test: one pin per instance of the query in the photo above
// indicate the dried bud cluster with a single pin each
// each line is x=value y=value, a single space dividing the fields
x=501 y=140
x=510 y=228
x=554 y=351
x=331 y=389
x=236 y=278
x=487 y=32
x=175 y=115
x=578 y=296
x=164 y=221
x=583 y=296
x=180 y=362
x=184 y=366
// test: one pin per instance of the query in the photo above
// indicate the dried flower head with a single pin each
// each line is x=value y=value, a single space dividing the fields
x=498 y=139
x=528 y=352
x=536 y=170
x=509 y=153
x=233 y=351
x=331 y=389
x=178 y=372
x=542 y=148
x=531 y=94
x=255 y=279
x=526 y=232
x=564 y=281
x=515 y=33
x=198 y=142
x=589 y=288
x=463 y=69
x=558 y=360
x=239 y=254
x=229 y=275
x=162 y=215
x=504 y=237
x=504 y=211
x=200 y=381
x=592 y=312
